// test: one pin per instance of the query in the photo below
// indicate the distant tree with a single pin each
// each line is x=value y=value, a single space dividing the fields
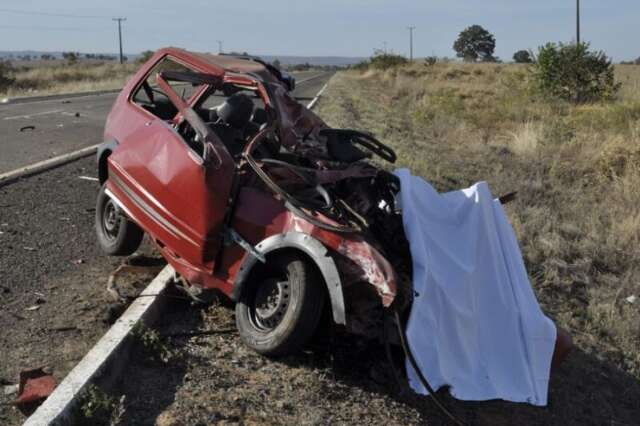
x=475 y=43
x=46 y=57
x=71 y=57
x=144 y=56
x=522 y=57
x=637 y=61
x=276 y=63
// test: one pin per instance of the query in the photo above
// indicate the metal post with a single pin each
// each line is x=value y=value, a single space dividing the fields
x=219 y=46
x=120 y=36
x=578 y=21
x=411 y=43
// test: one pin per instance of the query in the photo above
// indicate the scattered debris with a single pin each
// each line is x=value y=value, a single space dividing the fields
x=30 y=127
x=93 y=179
x=77 y=114
x=33 y=308
x=63 y=328
x=10 y=389
x=122 y=295
x=631 y=299
x=78 y=261
x=35 y=386
x=29 y=248
x=66 y=101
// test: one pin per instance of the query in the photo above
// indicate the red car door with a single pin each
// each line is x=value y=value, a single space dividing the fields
x=170 y=190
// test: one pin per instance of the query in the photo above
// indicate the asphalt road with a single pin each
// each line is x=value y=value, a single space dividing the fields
x=64 y=125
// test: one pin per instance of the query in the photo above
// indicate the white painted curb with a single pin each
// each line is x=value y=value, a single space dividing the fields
x=317 y=98
x=58 y=406
x=47 y=164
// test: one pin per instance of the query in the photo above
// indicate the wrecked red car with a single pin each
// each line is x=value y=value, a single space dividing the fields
x=246 y=191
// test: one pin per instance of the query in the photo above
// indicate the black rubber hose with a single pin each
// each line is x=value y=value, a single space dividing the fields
x=423 y=380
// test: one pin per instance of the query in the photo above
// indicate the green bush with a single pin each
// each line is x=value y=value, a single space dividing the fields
x=382 y=61
x=574 y=73
x=5 y=79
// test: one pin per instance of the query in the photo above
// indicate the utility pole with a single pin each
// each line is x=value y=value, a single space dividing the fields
x=219 y=46
x=120 y=36
x=411 y=42
x=578 y=21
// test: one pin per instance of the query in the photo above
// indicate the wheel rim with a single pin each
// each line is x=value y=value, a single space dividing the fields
x=269 y=304
x=111 y=220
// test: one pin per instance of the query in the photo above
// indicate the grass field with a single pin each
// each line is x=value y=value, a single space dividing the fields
x=52 y=77
x=577 y=216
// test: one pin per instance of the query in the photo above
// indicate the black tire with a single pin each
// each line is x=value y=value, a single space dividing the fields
x=279 y=310
x=117 y=235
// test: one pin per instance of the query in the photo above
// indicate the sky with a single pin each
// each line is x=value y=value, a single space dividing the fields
x=314 y=27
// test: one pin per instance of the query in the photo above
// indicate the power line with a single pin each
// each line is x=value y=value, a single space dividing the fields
x=60 y=15
x=39 y=28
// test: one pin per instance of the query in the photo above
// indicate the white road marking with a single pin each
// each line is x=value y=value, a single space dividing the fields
x=27 y=116
x=93 y=179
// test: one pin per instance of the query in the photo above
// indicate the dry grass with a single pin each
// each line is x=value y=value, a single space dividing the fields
x=60 y=77
x=577 y=170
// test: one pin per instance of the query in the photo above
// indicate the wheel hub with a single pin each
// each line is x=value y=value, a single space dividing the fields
x=111 y=219
x=271 y=301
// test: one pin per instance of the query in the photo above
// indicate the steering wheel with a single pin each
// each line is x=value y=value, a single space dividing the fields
x=314 y=197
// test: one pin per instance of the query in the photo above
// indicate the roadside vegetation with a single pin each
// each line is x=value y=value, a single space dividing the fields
x=61 y=76
x=575 y=162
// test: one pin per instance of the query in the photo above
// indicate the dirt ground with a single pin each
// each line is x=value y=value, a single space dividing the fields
x=210 y=377
x=52 y=276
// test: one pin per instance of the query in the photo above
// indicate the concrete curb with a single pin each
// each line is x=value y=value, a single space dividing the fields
x=105 y=357
x=45 y=165
x=57 y=96
x=315 y=100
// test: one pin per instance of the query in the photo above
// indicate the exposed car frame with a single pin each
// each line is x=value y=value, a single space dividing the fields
x=216 y=218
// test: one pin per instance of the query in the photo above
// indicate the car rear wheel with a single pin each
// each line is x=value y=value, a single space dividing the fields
x=117 y=235
x=279 y=311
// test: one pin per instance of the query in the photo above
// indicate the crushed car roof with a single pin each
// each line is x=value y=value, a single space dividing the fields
x=220 y=64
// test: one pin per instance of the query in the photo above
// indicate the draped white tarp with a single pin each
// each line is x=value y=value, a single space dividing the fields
x=475 y=323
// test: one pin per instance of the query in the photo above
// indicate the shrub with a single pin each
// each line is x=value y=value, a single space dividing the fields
x=5 y=79
x=574 y=73
x=382 y=60
x=430 y=60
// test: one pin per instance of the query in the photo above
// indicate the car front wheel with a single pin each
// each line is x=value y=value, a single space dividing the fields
x=280 y=308
x=117 y=235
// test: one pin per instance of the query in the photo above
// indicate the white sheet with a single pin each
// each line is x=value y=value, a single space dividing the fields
x=475 y=323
